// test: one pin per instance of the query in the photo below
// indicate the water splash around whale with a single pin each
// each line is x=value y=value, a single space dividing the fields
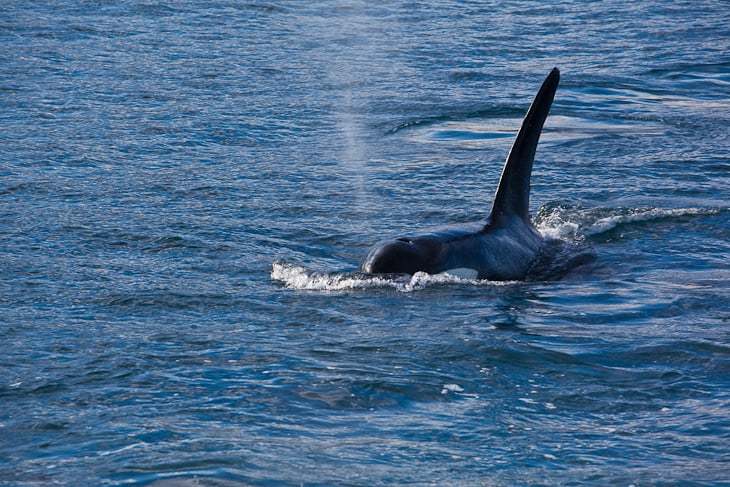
x=568 y=233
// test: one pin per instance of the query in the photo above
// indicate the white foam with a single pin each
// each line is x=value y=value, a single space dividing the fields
x=451 y=388
x=611 y=222
x=557 y=227
x=567 y=225
x=297 y=277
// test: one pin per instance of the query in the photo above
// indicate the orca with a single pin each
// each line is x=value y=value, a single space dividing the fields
x=503 y=248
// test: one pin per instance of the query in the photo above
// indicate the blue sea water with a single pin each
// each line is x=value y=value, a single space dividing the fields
x=187 y=187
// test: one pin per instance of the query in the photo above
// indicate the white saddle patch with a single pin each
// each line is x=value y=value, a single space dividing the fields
x=463 y=273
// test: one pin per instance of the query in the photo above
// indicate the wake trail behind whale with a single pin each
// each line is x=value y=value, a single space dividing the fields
x=573 y=224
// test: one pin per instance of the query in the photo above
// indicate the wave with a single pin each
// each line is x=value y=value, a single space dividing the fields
x=297 y=277
x=571 y=224
x=497 y=111
x=496 y=130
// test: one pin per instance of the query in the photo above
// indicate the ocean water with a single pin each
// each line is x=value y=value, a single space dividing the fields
x=187 y=188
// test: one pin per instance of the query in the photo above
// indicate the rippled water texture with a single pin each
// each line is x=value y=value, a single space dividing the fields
x=187 y=188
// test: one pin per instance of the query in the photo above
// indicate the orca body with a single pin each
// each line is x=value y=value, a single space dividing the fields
x=501 y=249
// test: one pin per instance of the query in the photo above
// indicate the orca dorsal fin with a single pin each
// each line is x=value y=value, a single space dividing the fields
x=513 y=193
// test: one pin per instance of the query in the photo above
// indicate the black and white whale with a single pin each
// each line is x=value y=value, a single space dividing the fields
x=503 y=248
